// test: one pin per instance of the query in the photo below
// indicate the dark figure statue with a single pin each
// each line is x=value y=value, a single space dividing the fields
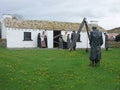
x=96 y=40
x=60 y=42
x=72 y=39
x=39 y=41
x=45 y=38
x=106 y=42
x=68 y=41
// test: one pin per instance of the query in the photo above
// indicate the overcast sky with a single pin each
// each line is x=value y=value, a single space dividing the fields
x=106 y=12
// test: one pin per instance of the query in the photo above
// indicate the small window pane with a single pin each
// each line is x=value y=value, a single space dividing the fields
x=27 y=35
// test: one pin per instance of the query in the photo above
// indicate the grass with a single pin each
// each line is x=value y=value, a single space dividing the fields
x=46 y=69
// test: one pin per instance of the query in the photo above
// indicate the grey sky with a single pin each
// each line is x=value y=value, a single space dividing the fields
x=106 y=12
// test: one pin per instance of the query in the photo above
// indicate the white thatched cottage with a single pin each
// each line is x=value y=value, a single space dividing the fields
x=21 y=33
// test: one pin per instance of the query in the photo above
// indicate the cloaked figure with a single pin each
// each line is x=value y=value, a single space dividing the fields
x=96 y=40
x=60 y=42
x=45 y=38
x=72 y=39
x=39 y=40
x=68 y=41
x=106 y=42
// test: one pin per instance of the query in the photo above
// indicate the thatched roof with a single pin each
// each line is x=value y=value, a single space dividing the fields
x=46 y=25
x=115 y=30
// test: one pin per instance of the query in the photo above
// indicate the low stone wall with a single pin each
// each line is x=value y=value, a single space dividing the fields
x=114 y=44
x=2 y=42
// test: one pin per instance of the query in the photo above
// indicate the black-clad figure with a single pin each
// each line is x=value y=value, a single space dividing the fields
x=106 y=42
x=72 y=38
x=96 y=40
x=60 y=42
x=68 y=41
x=46 y=41
x=39 y=41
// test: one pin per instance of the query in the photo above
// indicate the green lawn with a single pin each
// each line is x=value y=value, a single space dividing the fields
x=52 y=69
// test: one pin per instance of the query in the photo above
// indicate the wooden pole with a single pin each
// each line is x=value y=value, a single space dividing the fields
x=76 y=37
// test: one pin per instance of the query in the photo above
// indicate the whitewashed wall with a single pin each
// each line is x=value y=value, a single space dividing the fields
x=49 y=34
x=84 y=40
x=15 y=38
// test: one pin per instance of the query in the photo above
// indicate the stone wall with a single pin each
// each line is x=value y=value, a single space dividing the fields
x=2 y=42
x=114 y=44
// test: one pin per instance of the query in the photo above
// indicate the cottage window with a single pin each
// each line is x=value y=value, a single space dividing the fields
x=27 y=36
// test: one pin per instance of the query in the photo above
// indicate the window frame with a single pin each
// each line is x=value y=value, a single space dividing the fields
x=27 y=36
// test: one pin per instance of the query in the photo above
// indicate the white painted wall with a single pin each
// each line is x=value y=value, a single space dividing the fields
x=49 y=34
x=15 y=38
x=84 y=40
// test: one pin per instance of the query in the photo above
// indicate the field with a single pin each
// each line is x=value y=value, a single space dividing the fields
x=53 y=69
